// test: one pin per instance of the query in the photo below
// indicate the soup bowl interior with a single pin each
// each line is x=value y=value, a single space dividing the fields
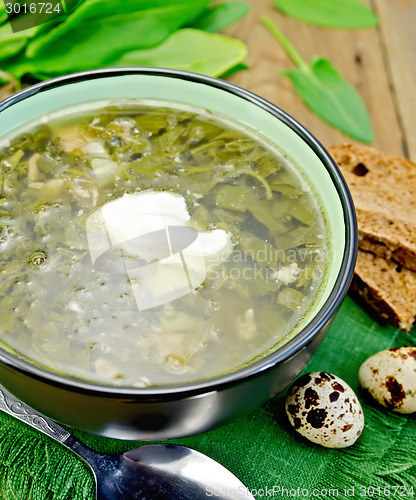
x=177 y=410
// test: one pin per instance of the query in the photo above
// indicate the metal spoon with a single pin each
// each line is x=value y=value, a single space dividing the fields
x=151 y=472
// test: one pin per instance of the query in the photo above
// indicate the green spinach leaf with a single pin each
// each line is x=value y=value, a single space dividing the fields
x=95 y=34
x=95 y=44
x=3 y=16
x=159 y=18
x=325 y=91
x=12 y=43
x=220 y=16
x=191 y=50
x=330 y=13
x=239 y=67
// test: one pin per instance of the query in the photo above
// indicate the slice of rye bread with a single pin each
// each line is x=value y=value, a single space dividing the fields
x=387 y=288
x=383 y=188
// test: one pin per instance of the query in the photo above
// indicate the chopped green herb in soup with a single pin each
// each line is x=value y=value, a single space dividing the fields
x=146 y=245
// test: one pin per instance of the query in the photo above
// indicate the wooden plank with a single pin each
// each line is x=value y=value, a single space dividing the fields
x=398 y=31
x=356 y=53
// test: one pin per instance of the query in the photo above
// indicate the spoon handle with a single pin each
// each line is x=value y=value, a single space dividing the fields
x=14 y=407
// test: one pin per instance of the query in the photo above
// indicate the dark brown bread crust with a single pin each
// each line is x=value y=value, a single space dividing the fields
x=387 y=288
x=384 y=191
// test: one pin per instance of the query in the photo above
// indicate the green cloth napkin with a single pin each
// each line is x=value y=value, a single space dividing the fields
x=261 y=449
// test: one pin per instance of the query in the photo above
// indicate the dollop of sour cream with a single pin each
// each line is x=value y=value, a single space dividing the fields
x=148 y=238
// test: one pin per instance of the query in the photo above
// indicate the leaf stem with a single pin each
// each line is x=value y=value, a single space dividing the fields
x=266 y=185
x=284 y=42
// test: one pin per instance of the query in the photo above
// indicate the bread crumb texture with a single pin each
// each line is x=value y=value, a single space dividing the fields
x=383 y=188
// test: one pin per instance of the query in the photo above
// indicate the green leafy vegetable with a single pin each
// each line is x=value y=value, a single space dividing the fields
x=330 y=13
x=3 y=14
x=234 y=197
x=157 y=20
x=94 y=35
x=102 y=42
x=11 y=43
x=235 y=69
x=192 y=50
x=325 y=91
x=290 y=298
x=220 y=16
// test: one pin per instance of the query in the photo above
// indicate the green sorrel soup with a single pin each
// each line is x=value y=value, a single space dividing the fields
x=146 y=245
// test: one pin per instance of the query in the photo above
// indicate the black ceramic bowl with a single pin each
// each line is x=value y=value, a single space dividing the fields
x=175 y=411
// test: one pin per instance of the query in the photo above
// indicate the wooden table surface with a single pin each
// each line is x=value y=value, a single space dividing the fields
x=380 y=62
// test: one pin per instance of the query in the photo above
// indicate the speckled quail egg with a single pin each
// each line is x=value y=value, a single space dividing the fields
x=325 y=410
x=390 y=377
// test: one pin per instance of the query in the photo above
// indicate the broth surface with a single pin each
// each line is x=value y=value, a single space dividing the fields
x=148 y=245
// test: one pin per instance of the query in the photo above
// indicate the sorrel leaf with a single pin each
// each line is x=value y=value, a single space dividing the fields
x=325 y=91
x=94 y=36
x=208 y=53
x=330 y=13
x=239 y=67
x=11 y=43
x=161 y=15
x=220 y=16
x=332 y=98
x=74 y=50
